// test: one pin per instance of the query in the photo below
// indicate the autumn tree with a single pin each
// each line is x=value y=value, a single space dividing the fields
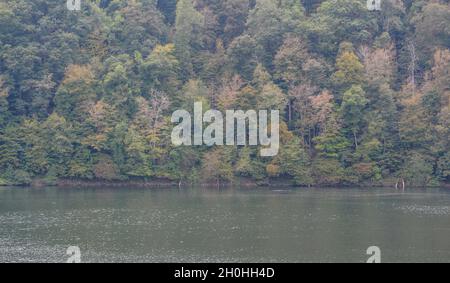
x=363 y=95
x=350 y=71
x=76 y=93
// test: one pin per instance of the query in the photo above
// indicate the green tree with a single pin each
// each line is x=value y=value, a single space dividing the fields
x=217 y=166
x=233 y=15
x=160 y=69
x=187 y=27
x=137 y=26
x=245 y=54
x=353 y=105
x=4 y=104
x=182 y=164
x=350 y=71
x=121 y=85
x=269 y=20
x=269 y=96
x=249 y=165
x=417 y=170
x=10 y=149
x=294 y=161
x=336 y=21
x=76 y=93
x=328 y=172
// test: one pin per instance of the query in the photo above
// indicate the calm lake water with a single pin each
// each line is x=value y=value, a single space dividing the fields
x=200 y=225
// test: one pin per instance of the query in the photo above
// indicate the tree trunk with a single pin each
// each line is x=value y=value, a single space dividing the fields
x=290 y=111
x=356 y=140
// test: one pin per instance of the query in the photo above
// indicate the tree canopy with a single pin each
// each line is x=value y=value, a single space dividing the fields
x=364 y=95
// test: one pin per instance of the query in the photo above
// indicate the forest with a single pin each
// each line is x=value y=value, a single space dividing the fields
x=364 y=95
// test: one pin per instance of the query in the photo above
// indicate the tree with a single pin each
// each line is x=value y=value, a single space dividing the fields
x=76 y=93
x=414 y=130
x=247 y=98
x=137 y=26
x=4 y=104
x=311 y=5
x=290 y=58
x=314 y=114
x=105 y=169
x=336 y=21
x=228 y=93
x=138 y=161
x=381 y=140
x=80 y=164
x=58 y=140
x=270 y=96
x=269 y=20
x=215 y=64
x=331 y=145
x=10 y=149
x=187 y=25
x=181 y=164
x=327 y=172
x=249 y=165
x=349 y=72
x=379 y=66
x=432 y=29
x=293 y=161
x=353 y=104
x=418 y=170
x=35 y=147
x=160 y=69
x=317 y=71
x=217 y=166
x=363 y=95
x=121 y=85
x=393 y=12
x=233 y=16
x=142 y=143
x=104 y=119
x=245 y=54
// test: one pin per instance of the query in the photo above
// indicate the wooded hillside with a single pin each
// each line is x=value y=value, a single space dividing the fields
x=364 y=95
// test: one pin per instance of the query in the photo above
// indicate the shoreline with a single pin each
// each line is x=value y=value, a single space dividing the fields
x=165 y=183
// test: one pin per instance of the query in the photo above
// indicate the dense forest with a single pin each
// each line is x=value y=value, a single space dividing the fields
x=88 y=95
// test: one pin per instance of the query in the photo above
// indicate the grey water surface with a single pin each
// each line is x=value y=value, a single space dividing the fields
x=228 y=225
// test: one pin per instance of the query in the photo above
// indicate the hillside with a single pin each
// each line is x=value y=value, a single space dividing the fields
x=88 y=95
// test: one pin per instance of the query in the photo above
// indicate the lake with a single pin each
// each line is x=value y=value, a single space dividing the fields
x=228 y=225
